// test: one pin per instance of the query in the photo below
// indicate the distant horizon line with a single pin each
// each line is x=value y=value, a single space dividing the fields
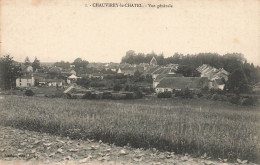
x=158 y=54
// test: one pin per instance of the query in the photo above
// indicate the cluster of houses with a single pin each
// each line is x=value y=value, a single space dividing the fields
x=32 y=78
x=164 y=78
x=209 y=77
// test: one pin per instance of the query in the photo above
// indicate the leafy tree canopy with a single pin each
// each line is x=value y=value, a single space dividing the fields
x=36 y=64
x=9 y=71
x=27 y=61
x=62 y=64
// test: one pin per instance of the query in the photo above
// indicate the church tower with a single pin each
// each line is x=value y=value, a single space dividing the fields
x=153 y=61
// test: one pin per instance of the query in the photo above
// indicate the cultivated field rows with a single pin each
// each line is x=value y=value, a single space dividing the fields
x=28 y=147
x=198 y=127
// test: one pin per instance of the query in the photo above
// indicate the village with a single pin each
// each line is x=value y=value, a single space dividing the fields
x=153 y=83
x=119 y=80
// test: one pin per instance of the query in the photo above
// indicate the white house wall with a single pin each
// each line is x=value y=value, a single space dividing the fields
x=20 y=82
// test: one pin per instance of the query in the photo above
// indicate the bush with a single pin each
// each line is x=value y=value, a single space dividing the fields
x=178 y=93
x=216 y=91
x=187 y=94
x=29 y=92
x=138 y=94
x=250 y=101
x=164 y=95
x=117 y=87
x=215 y=97
x=205 y=90
x=118 y=96
x=98 y=95
x=107 y=95
x=89 y=95
x=67 y=96
x=199 y=94
x=130 y=96
x=234 y=99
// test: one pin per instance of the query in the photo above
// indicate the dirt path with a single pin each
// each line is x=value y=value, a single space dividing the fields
x=27 y=147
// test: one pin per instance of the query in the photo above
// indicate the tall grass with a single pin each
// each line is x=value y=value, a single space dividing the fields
x=196 y=126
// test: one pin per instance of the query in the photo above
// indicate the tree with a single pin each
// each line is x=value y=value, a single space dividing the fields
x=27 y=61
x=149 y=78
x=36 y=64
x=85 y=82
x=117 y=87
x=9 y=71
x=62 y=64
x=238 y=82
x=188 y=71
x=129 y=57
x=80 y=65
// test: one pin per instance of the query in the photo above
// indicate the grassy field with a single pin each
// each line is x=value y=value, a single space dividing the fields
x=194 y=126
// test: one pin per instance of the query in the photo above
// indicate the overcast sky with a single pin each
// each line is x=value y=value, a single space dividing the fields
x=66 y=29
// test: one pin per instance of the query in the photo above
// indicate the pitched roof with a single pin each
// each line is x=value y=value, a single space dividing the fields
x=54 y=80
x=150 y=70
x=183 y=82
x=153 y=61
x=212 y=73
x=257 y=85
x=162 y=70
x=25 y=77
x=72 y=76
x=161 y=76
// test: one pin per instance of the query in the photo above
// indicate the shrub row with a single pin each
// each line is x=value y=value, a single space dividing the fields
x=185 y=93
x=245 y=101
x=114 y=96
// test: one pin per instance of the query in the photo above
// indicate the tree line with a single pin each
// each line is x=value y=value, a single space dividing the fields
x=243 y=75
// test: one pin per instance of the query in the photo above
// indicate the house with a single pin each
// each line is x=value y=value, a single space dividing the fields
x=161 y=70
x=27 y=69
x=54 y=82
x=174 y=67
x=119 y=71
x=256 y=87
x=150 y=70
x=212 y=73
x=25 y=81
x=72 y=78
x=51 y=82
x=153 y=61
x=65 y=73
x=128 y=71
x=157 y=80
x=178 y=83
x=217 y=84
x=215 y=76
x=113 y=69
x=73 y=72
x=144 y=65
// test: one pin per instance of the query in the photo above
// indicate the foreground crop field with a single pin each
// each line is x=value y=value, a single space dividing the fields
x=192 y=126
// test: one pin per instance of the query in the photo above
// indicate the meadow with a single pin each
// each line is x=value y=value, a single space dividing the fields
x=195 y=126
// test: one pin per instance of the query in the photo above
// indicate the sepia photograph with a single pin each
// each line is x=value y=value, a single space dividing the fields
x=126 y=82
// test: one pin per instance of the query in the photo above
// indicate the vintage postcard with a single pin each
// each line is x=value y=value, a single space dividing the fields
x=130 y=82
